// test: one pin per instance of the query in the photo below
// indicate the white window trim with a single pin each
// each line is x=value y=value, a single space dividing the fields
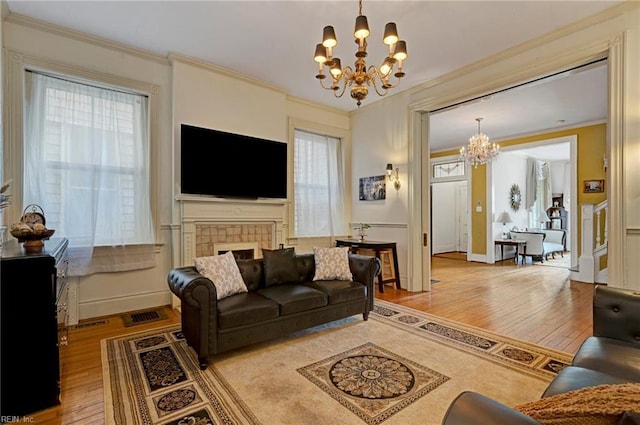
x=13 y=167
x=345 y=145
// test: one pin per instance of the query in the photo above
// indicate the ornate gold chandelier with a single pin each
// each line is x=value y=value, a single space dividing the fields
x=479 y=151
x=360 y=78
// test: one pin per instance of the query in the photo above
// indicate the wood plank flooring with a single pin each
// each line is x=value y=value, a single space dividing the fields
x=535 y=303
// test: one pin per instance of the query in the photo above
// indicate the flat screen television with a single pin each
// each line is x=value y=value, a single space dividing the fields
x=228 y=165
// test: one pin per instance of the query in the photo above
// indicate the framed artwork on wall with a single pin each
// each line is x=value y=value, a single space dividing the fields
x=373 y=188
x=593 y=186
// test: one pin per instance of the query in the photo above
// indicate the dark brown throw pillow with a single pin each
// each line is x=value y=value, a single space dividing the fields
x=279 y=266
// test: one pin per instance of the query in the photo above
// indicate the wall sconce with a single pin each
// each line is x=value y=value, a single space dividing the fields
x=393 y=176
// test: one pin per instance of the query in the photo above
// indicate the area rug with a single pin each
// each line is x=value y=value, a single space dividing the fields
x=399 y=367
x=563 y=262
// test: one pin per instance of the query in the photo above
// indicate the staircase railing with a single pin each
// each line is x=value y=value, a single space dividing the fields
x=592 y=263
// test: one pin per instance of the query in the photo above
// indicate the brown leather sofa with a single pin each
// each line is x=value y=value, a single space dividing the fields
x=213 y=326
x=610 y=356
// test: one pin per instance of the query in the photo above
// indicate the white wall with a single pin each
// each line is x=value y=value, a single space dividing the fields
x=101 y=294
x=189 y=92
x=558 y=174
x=509 y=168
x=615 y=31
x=380 y=135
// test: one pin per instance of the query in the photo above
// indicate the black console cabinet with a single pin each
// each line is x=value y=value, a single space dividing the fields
x=33 y=294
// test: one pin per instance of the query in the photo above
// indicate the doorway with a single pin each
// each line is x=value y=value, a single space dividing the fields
x=508 y=106
x=451 y=213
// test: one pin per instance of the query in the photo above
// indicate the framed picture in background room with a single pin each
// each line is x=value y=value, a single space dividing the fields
x=593 y=186
x=373 y=188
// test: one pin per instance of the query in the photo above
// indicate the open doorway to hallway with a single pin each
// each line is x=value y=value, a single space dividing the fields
x=567 y=104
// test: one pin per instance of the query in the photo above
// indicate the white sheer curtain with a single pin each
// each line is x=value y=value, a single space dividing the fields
x=543 y=195
x=318 y=186
x=87 y=165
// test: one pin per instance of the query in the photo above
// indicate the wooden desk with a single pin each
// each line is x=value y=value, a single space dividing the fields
x=512 y=242
x=377 y=247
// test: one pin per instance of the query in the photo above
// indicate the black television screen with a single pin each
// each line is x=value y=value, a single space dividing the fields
x=224 y=164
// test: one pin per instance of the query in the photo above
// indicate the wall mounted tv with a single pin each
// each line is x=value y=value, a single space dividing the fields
x=230 y=165
x=217 y=163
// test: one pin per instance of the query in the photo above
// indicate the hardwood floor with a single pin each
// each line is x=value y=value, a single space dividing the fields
x=82 y=390
x=534 y=303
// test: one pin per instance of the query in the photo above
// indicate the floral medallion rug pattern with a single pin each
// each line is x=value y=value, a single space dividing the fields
x=401 y=367
x=372 y=382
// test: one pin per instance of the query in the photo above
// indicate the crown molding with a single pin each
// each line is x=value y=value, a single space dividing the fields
x=315 y=105
x=541 y=41
x=542 y=133
x=39 y=25
x=188 y=60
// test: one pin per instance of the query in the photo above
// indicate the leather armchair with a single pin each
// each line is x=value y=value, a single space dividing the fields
x=471 y=408
x=610 y=356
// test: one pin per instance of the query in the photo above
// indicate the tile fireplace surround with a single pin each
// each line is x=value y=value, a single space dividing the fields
x=211 y=238
x=207 y=222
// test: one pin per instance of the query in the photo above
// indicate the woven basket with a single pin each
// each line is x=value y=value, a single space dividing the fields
x=33 y=237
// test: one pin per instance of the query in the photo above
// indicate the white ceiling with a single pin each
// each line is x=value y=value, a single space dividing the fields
x=274 y=41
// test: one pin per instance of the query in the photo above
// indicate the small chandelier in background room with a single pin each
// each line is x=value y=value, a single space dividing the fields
x=479 y=151
x=360 y=78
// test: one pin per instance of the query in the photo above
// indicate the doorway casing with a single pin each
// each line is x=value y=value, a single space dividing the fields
x=489 y=76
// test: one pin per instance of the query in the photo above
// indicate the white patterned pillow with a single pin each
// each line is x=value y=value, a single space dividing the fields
x=332 y=264
x=223 y=272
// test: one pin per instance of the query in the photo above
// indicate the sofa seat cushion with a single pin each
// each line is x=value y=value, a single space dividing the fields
x=340 y=291
x=573 y=378
x=610 y=356
x=245 y=309
x=294 y=298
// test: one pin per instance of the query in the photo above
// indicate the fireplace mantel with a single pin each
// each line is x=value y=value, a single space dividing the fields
x=203 y=212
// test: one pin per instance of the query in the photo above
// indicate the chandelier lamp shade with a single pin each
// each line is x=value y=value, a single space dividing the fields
x=359 y=78
x=479 y=150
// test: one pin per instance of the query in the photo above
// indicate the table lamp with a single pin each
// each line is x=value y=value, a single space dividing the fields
x=504 y=218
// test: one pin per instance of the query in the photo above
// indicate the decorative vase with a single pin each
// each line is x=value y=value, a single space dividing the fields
x=362 y=233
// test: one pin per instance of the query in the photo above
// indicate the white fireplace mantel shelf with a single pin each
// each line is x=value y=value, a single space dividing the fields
x=263 y=201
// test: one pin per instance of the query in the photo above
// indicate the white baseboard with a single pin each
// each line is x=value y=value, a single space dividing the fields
x=439 y=249
x=106 y=307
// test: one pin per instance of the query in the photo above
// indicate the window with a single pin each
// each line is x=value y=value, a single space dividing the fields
x=87 y=161
x=449 y=169
x=319 y=208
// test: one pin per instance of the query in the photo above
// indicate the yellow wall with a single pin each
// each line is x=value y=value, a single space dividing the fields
x=592 y=141
x=479 y=219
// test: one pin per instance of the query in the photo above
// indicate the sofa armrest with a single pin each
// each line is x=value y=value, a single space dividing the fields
x=471 y=408
x=198 y=309
x=630 y=418
x=364 y=270
x=616 y=314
